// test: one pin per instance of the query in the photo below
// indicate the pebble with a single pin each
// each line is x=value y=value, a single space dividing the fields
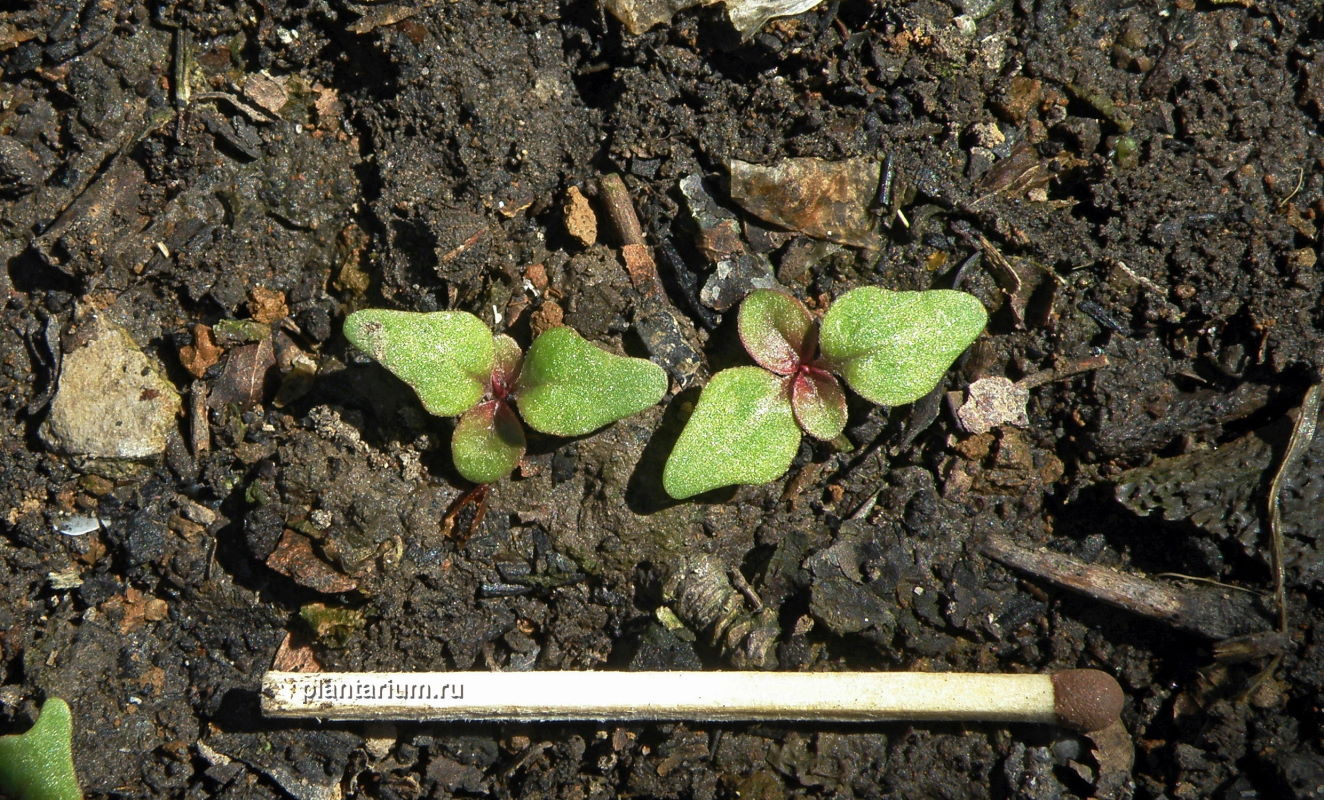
x=113 y=400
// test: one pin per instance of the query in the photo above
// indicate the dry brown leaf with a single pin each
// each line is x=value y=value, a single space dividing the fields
x=133 y=609
x=246 y=376
x=295 y=559
x=830 y=200
x=295 y=656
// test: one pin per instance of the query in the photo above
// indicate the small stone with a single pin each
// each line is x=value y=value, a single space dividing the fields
x=1302 y=258
x=1020 y=98
x=987 y=134
x=735 y=278
x=844 y=607
x=991 y=402
x=545 y=317
x=113 y=400
x=200 y=356
x=580 y=221
x=267 y=305
x=20 y=169
x=536 y=275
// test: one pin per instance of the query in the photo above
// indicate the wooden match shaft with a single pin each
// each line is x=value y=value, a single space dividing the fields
x=1083 y=700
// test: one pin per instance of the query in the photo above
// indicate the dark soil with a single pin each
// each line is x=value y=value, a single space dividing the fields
x=1141 y=181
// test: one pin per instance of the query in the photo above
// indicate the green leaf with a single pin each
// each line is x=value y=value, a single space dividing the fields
x=445 y=356
x=893 y=347
x=775 y=328
x=488 y=442
x=819 y=404
x=569 y=387
x=742 y=431
x=39 y=764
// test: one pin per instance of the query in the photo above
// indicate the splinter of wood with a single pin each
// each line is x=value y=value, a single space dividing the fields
x=1212 y=613
x=1079 y=699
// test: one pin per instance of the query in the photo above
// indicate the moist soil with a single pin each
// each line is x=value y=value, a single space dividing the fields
x=1134 y=190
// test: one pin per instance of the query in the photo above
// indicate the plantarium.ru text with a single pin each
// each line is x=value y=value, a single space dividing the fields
x=890 y=347
x=563 y=386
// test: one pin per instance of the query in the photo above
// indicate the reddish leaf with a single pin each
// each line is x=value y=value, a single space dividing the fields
x=775 y=328
x=505 y=364
x=819 y=404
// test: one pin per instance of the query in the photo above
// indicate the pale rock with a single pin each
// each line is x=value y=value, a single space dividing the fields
x=113 y=400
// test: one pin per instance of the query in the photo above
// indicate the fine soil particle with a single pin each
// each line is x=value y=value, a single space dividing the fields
x=1133 y=189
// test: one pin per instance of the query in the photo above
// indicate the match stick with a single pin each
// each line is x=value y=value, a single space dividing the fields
x=1081 y=699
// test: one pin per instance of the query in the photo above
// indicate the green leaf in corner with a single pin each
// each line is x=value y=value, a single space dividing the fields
x=569 y=387
x=893 y=347
x=39 y=764
x=742 y=431
x=445 y=356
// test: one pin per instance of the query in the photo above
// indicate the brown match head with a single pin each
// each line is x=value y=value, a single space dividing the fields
x=1086 y=700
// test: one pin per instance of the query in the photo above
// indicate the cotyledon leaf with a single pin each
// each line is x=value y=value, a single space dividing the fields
x=742 y=431
x=893 y=347
x=774 y=327
x=445 y=356
x=570 y=387
x=488 y=442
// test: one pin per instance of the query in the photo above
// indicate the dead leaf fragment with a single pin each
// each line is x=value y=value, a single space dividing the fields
x=246 y=377
x=198 y=357
x=639 y=15
x=328 y=106
x=580 y=221
x=292 y=656
x=824 y=199
x=266 y=92
x=746 y=15
x=381 y=16
x=294 y=558
x=1114 y=751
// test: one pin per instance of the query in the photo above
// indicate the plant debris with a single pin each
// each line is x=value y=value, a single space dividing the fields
x=830 y=200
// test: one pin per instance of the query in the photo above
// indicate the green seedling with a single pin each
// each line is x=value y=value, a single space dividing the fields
x=564 y=385
x=39 y=764
x=890 y=347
